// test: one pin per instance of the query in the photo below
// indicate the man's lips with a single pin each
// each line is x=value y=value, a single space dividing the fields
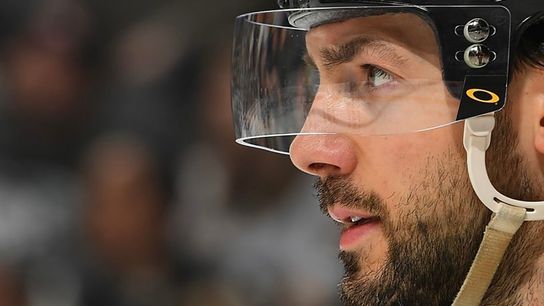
x=357 y=225
x=345 y=215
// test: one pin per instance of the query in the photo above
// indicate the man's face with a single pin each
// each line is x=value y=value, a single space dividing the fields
x=421 y=223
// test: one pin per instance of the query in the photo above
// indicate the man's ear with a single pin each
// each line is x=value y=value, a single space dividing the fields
x=539 y=130
x=536 y=94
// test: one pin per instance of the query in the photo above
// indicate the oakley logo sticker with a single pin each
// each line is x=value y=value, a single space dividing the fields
x=476 y=101
x=484 y=96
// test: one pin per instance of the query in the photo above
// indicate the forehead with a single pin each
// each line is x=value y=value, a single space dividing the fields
x=405 y=30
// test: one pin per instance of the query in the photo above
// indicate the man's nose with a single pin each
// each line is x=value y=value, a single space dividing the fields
x=324 y=155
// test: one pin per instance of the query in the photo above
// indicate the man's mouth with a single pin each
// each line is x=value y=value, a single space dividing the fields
x=357 y=225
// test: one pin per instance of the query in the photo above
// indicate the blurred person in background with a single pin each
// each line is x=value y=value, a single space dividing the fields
x=48 y=69
x=125 y=216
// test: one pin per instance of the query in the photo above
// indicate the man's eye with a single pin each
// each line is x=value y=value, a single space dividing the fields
x=378 y=77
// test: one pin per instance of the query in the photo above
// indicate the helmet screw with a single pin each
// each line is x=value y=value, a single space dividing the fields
x=477 y=30
x=478 y=56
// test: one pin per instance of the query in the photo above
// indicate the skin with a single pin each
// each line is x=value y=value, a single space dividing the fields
x=420 y=178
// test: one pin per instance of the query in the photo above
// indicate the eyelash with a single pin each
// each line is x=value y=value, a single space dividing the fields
x=379 y=72
x=369 y=69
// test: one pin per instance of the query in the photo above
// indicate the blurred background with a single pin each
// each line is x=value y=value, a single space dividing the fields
x=120 y=182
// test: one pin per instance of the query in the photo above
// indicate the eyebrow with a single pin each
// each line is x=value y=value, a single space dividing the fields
x=345 y=53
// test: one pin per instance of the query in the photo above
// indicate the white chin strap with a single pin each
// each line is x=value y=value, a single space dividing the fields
x=509 y=214
x=477 y=139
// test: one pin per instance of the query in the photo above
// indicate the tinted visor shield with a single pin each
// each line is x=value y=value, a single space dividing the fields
x=365 y=71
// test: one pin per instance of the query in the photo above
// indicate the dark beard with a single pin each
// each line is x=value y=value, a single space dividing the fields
x=425 y=270
x=428 y=256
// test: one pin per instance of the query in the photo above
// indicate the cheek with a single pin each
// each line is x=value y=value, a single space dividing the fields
x=394 y=164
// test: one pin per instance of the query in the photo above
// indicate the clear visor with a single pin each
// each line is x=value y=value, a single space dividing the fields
x=364 y=71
